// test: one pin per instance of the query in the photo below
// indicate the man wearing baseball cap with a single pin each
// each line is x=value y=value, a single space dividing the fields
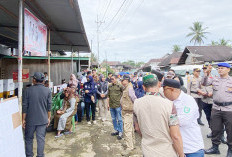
x=194 y=89
x=156 y=121
x=36 y=108
x=222 y=106
x=127 y=102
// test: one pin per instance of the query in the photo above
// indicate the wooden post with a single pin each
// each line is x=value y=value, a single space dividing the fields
x=20 y=56
x=49 y=60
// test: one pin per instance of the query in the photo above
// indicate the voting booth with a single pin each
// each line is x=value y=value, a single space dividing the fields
x=11 y=135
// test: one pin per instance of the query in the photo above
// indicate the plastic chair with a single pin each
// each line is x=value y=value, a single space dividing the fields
x=73 y=124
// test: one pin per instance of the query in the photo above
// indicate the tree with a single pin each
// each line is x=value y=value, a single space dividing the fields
x=197 y=33
x=93 y=58
x=214 y=43
x=224 y=42
x=176 y=48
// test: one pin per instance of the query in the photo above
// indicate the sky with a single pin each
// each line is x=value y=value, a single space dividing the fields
x=141 y=30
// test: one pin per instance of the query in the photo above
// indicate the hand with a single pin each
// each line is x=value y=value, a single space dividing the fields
x=48 y=122
x=24 y=124
x=86 y=91
x=210 y=94
x=108 y=107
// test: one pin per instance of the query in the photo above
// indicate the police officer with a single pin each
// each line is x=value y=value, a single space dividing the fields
x=222 y=107
x=194 y=89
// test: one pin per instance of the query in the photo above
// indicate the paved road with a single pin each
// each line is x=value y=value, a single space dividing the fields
x=96 y=141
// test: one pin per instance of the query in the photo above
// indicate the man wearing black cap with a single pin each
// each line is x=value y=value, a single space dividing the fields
x=127 y=102
x=187 y=112
x=36 y=110
x=222 y=106
x=194 y=89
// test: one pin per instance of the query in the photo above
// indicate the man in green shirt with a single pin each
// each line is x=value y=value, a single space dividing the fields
x=115 y=93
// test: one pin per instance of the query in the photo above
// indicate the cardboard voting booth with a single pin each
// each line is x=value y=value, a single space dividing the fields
x=11 y=135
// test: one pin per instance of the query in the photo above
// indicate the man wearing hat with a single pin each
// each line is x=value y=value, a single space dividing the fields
x=127 y=102
x=36 y=108
x=187 y=112
x=194 y=89
x=222 y=106
x=156 y=121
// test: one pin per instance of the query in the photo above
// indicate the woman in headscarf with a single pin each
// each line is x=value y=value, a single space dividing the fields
x=63 y=116
x=90 y=89
x=73 y=82
x=102 y=91
x=139 y=92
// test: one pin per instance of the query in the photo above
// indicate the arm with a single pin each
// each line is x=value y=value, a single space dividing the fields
x=72 y=107
x=107 y=86
x=24 y=108
x=137 y=129
x=132 y=94
x=98 y=92
x=189 y=85
x=49 y=101
x=177 y=140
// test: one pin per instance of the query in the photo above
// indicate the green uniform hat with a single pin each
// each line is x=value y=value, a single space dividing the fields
x=148 y=79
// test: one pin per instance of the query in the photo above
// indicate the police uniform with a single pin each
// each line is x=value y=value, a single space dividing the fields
x=193 y=85
x=221 y=110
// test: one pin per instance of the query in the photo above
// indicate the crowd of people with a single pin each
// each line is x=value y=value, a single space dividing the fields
x=156 y=105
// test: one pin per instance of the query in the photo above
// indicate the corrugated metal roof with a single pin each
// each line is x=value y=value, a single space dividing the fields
x=63 y=17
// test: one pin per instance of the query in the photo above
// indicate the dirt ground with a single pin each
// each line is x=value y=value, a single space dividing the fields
x=96 y=141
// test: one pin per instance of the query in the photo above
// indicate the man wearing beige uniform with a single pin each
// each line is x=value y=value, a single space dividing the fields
x=222 y=106
x=156 y=121
x=127 y=102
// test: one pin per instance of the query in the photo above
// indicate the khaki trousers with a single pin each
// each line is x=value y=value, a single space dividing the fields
x=103 y=108
x=128 y=127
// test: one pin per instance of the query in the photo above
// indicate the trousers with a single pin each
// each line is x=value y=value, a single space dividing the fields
x=103 y=108
x=199 y=103
x=40 y=137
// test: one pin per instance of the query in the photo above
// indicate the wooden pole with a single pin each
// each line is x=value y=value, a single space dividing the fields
x=20 y=56
x=49 y=59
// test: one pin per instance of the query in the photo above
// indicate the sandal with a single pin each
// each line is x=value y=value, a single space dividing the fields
x=58 y=136
x=68 y=132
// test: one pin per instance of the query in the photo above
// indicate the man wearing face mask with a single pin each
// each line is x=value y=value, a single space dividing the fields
x=222 y=106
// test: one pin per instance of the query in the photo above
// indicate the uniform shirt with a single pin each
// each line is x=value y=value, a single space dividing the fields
x=207 y=89
x=36 y=104
x=155 y=115
x=92 y=88
x=115 y=94
x=222 y=91
x=193 y=85
x=187 y=112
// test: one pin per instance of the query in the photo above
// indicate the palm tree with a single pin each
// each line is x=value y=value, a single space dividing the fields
x=214 y=43
x=224 y=42
x=197 y=33
x=176 y=48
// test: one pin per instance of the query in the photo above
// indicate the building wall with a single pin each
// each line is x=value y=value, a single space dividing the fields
x=60 y=69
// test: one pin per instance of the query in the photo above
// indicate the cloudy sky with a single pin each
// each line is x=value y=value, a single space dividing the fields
x=143 y=29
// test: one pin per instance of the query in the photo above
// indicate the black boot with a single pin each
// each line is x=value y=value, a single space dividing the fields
x=213 y=150
x=200 y=122
x=223 y=139
x=229 y=152
x=209 y=135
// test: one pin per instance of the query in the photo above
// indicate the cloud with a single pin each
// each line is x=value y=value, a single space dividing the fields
x=150 y=28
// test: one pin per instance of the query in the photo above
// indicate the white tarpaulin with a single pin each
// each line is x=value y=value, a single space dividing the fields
x=11 y=136
x=35 y=35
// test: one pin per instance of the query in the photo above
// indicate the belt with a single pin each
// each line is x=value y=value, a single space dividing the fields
x=223 y=103
x=193 y=92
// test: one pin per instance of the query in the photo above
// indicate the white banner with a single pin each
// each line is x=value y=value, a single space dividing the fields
x=35 y=35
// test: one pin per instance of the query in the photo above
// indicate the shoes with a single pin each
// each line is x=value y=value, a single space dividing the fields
x=89 y=123
x=94 y=122
x=115 y=133
x=120 y=136
x=209 y=135
x=68 y=132
x=229 y=152
x=58 y=136
x=223 y=139
x=213 y=150
x=200 y=122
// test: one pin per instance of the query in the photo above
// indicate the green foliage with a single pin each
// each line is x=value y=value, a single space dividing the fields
x=221 y=42
x=197 y=33
x=133 y=63
x=176 y=48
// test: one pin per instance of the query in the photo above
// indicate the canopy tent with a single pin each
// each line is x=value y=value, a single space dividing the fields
x=62 y=17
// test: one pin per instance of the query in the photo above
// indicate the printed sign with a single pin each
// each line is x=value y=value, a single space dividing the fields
x=35 y=35
x=25 y=76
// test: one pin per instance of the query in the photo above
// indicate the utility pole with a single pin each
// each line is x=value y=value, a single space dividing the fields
x=91 y=57
x=106 y=65
x=98 y=44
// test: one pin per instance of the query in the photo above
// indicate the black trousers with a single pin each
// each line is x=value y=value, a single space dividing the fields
x=199 y=103
x=218 y=120
x=207 y=109
x=93 y=109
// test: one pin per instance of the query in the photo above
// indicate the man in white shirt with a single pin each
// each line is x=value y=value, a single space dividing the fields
x=187 y=112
